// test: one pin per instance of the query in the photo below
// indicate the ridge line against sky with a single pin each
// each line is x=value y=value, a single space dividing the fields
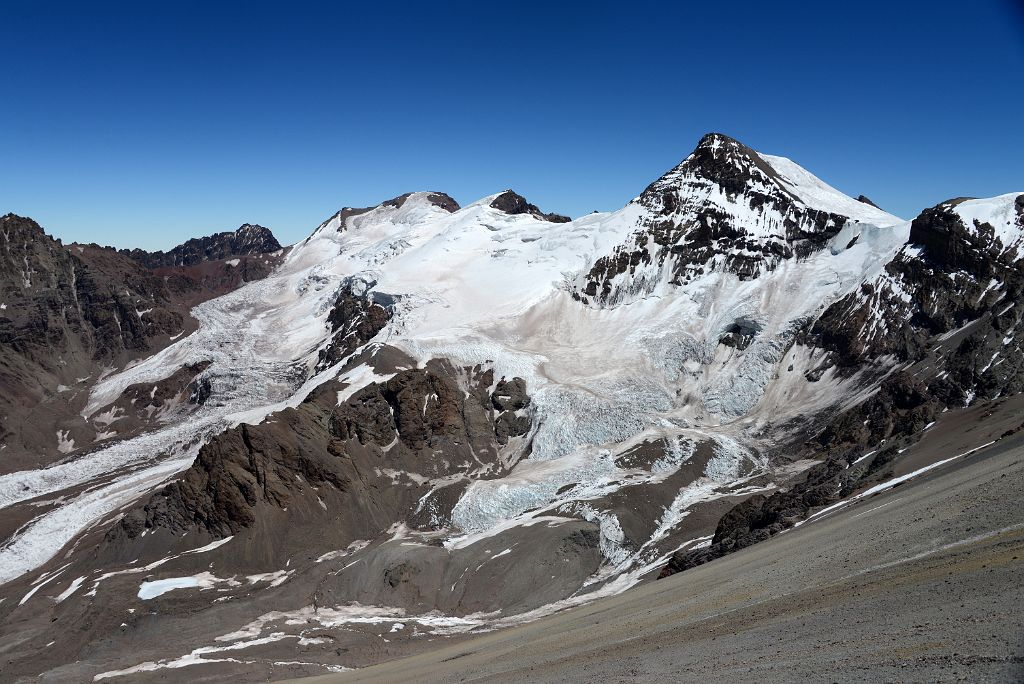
x=143 y=126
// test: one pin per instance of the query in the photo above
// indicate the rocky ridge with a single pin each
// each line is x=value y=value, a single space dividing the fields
x=248 y=240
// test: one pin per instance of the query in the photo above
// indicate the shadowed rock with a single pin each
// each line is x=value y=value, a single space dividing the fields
x=515 y=204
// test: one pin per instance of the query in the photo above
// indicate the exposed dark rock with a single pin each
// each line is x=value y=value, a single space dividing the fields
x=727 y=162
x=238 y=471
x=355 y=319
x=902 y=406
x=509 y=425
x=513 y=203
x=865 y=200
x=248 y=240
x=738 y=335
x=509 y=399
x=248 y=471
x=964 y=280
x=446 y=202
x=510 y=395
x=949 y=244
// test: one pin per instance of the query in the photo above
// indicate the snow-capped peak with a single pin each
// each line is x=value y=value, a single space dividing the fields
x=739 y=170
x=717 y=159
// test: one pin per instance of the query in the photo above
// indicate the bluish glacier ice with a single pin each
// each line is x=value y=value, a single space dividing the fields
x=672 y=351
x=532 y=485
x=568 y=420
x=731 y=395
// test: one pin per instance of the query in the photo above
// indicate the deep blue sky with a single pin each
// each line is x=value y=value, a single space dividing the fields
x=144 y=124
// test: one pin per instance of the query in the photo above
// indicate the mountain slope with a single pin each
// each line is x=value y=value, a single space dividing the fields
x=69 y=314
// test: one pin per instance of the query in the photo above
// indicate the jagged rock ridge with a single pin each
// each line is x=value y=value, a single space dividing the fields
x=249 y=239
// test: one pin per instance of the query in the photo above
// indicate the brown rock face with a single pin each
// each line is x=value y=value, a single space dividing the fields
x=510 y=399
x=326 y=451
x=57 y=299
x=67 y=312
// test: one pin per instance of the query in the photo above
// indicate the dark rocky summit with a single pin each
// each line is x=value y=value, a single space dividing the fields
x=515 y=204
x=248 y=240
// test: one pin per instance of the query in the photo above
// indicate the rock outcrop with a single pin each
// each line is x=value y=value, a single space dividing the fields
x=340 y=452
x=513 y=203
x=953 y=293
x=357 y=316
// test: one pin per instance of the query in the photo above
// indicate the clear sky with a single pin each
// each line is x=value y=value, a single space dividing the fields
x=143 y=124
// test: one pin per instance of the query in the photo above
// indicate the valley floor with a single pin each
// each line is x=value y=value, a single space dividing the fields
x=921 y=583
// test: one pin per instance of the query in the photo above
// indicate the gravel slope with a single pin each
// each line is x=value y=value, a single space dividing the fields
x=919 y=583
